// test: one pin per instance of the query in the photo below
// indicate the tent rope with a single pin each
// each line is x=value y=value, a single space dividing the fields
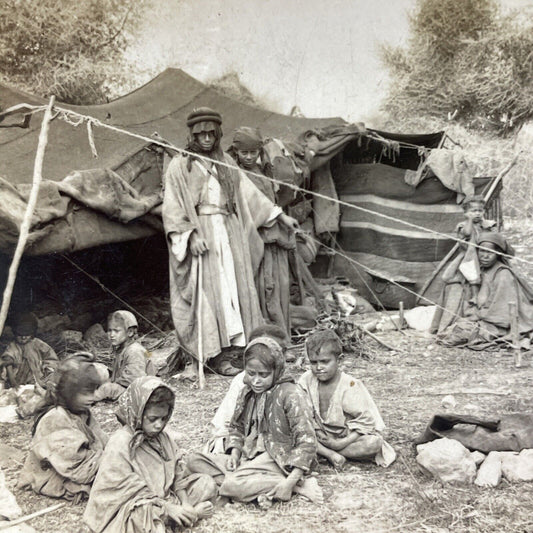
x=64 y=114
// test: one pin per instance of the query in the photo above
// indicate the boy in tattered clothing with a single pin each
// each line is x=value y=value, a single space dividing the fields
x=347 y=421
x=67 y=442
x=28 y=360
x=131 y=360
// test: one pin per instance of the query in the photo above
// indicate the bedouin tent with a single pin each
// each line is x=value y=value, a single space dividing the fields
x=102 y=187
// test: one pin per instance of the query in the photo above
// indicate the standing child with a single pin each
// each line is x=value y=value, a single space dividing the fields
x=271 y=444
x=67 y=441
x=139 y=486
x=28 y=360
x=347 y=420
x=131 y=360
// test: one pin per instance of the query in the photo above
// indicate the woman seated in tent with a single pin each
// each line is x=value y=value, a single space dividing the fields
x=489 y=320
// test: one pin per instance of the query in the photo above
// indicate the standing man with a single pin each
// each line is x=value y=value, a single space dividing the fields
x=211 y=214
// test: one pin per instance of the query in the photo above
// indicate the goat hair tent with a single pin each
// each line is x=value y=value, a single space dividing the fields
x=87 y=201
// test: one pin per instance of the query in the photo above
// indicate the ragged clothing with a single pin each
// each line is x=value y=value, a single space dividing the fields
x=194 y=200
x=283 y=422
x=138 y=474
x=351 y=409
x=65 y=454
x=34 y=362
x=131 y=361
x=491 y=319
x=273 y=278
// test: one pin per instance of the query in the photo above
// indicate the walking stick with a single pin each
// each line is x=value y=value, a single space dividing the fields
x=201 y=375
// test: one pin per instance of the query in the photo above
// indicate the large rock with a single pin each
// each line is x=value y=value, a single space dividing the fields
x=518 y=467
x=448 y=460
x=97 y=337
x=490 y=471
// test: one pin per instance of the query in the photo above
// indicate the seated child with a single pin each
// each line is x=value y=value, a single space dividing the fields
x=271 y=444
x=131 y=360
x=139 y=486
x=67 y=442
x=28 y=360
x=221 y=420
x=346 y=419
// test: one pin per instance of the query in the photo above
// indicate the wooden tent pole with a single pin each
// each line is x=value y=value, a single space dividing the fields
x=451 y=253
x=22 y=519
x=201 y=375
x=26 y=221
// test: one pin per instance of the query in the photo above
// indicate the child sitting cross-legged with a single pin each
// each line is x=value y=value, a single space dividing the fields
x=131 y=360
x=67 y=442
x=141 y=486
x=346 y=419
x=271 y=443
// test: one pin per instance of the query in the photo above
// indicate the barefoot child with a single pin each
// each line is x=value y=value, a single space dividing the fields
x=131 y=360
x=28 y=360
x=346 y=418
x=67 y=442
x=139 y=486
x=271 y=444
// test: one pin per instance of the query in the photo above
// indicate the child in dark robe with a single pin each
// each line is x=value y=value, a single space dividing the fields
x=140 y=486
x=67 y=443
x=271 y=444
x=131 y=360
x=27 y=359
x=347 y=420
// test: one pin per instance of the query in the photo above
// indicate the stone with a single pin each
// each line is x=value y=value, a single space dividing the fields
x=8 y=414
x=420 y=317
x=490 y=471
x=449 y=402
x=71 y=336
x=8 y=397
x=518 y=466
x=97 y=337
x=448 y=460
x=9 y=509
x=53 y=323
x=478 y=457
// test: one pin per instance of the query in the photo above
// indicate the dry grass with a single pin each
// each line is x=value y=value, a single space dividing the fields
x=408 y=386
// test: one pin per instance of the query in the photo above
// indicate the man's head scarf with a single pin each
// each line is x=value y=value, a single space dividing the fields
x=131 y=406
x=207 y=119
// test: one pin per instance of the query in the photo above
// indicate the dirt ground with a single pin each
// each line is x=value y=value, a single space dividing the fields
x=408 y=386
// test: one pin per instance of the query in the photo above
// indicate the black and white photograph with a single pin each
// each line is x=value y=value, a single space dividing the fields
x=266 y=266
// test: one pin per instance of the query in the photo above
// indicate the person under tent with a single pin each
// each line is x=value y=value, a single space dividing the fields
x=211 y=213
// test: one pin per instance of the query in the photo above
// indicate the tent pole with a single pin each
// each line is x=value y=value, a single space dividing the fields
x=201 y=375
x=487 y=196
x=26 y=221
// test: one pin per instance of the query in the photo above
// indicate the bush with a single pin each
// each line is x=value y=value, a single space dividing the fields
x=466 y=62
x=67 y=48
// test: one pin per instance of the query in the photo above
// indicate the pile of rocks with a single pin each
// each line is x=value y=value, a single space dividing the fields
x=450 y=462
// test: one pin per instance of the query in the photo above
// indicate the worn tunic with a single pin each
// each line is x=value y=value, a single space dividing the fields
x=273 y=278
x=65 y=454
x=33 y=361
x=194 y=201
x=351 y=409
x=138 y=474
x=131 y=362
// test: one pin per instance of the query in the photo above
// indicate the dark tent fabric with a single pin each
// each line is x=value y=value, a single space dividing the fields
x=161 y=106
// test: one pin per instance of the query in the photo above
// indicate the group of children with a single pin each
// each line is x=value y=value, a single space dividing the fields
x=269 y=430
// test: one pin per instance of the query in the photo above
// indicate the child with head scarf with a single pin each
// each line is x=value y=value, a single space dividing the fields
x=140 y=485
x=273 y=278
x=347 y=421
x=271 y=443
x=488 y=320
x=27 y=359
x=130 y=358
x=67 y=443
